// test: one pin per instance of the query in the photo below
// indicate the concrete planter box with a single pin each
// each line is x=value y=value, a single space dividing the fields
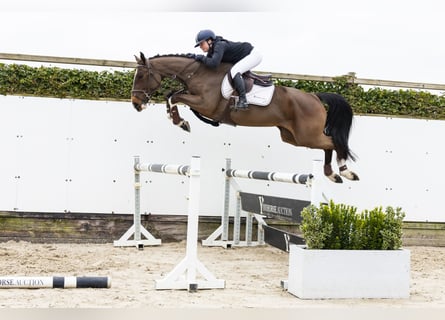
x=333 y=274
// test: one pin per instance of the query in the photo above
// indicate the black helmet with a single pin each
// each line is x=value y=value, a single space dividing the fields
x=204 y=35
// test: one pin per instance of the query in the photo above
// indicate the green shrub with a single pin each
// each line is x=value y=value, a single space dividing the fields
x=72 y=83
x=338 y=226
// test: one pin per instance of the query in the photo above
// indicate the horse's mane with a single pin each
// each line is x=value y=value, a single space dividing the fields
x=220 y=70
x=185 y=55
x=180 y=55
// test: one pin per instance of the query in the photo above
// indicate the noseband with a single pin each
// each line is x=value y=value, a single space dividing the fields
x=146 y=94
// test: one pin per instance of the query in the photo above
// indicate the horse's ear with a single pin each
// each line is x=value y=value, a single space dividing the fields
x=144 y=61
x=138 y=60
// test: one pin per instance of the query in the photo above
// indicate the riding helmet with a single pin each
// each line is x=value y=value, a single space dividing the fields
x=204 y=35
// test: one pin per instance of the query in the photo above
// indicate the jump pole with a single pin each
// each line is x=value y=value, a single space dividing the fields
x=222 y=231
x=13 y=282
x=137 y=229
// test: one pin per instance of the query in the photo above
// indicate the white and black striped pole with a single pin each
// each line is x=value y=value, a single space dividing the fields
x=270 y=176
x=176 y=169
x=27 y=282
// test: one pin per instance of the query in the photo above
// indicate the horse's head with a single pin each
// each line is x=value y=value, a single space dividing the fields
x=146 y=81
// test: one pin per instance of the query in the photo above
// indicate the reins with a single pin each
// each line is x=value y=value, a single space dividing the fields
x=191 y=74
x=152 y=73
x=158 y=82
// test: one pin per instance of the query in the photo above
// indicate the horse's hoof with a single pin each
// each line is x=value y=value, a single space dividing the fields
x=355 y=177
x=185 y=126
x=169 y=95
x=349 y=175
x=335 y=178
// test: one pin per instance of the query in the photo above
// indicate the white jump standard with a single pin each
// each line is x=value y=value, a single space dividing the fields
x=185 y=274
x=137 y=229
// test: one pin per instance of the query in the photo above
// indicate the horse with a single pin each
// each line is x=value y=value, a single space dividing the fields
x=301 y=117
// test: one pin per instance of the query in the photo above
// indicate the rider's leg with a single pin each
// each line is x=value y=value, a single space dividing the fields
x=240 y=87
x=245 y=64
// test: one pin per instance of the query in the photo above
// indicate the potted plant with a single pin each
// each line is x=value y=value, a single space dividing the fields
x=350 y=254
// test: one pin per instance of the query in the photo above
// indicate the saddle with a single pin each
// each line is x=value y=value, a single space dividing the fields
x=250 y=78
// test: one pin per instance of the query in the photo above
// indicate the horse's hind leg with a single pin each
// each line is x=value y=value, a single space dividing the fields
x=345 y=172
x=327 y=168
x=288 y=137
x=343 y=168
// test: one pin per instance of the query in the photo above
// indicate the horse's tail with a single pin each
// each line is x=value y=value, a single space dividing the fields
x=338 y=122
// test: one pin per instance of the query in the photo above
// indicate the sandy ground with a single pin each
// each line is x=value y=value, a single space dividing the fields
x=252 y=278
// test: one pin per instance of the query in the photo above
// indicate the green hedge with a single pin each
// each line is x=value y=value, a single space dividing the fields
x=338 y=226
x=16 y=79
x=62 y=83
x=410 y=103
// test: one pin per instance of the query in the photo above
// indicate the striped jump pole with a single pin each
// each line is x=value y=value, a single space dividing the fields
x=13 y=282
x=270 y=176
x=182 y=170
x=220 y=237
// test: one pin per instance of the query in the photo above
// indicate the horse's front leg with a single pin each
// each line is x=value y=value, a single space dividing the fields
x=193 y=101
x=173 y=114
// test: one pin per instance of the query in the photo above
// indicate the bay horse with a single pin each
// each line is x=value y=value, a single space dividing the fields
x=301 y=117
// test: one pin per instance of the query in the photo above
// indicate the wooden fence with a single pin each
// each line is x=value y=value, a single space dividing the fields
x=283 y=76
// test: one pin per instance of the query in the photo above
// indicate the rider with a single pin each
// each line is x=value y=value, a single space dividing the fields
x=242 y=54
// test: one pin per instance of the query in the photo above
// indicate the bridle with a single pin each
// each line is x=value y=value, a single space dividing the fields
x=144 y=92
x=147 y=95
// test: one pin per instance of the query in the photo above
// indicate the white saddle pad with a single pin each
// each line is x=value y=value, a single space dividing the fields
x=260 y=96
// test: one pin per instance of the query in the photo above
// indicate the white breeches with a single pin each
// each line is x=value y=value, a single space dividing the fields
x=247 y=63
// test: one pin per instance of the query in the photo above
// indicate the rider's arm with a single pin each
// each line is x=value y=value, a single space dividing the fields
x=214 y=60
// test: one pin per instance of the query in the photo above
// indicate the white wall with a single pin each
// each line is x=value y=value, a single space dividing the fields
x=75 y=155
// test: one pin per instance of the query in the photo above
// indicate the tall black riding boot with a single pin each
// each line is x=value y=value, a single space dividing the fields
x=239 y=86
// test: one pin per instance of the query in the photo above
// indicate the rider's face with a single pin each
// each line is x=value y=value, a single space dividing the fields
x=204 y=45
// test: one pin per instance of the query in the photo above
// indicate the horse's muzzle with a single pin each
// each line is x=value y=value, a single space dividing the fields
x=137 y=106
x=137 y=103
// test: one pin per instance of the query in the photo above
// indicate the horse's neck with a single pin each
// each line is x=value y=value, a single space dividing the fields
x=185 y=69
x=172 y=67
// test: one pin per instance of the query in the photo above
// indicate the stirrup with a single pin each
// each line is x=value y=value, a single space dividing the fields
x=241 y=106
x=237 y=105
x=242 y=103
